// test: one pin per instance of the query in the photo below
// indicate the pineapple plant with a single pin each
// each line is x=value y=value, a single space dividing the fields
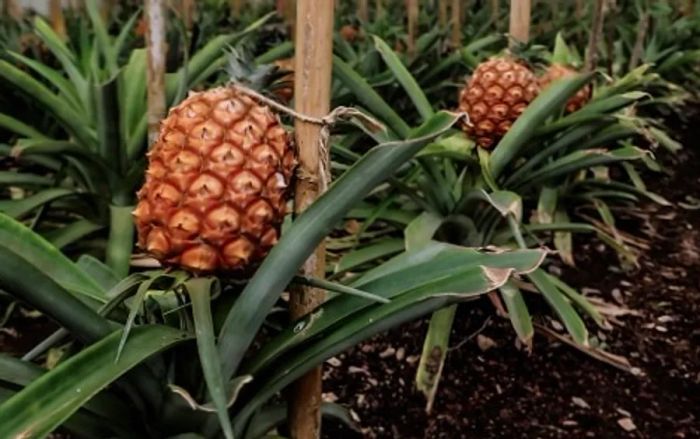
x=496 y=94
x=216 y=183
x=558 y=71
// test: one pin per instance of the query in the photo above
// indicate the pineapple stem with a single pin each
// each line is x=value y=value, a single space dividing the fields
x=120 y=241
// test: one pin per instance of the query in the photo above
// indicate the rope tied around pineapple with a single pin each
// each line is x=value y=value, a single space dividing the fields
x=336 y=115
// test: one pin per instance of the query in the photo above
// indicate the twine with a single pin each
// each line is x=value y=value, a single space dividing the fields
x=326 y=122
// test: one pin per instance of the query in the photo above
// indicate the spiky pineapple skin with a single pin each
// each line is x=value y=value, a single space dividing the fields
x=495 y=95
x=559 y=71
x=216 y=185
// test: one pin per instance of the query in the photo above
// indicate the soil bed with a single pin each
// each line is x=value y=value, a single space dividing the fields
x=557 y=391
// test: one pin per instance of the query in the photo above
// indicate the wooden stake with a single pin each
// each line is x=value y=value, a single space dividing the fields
x=106 y=11
x=155 y=73
x=519 y=21
x=312 y=90
x=188 y=11
x=287 y=10
x=363 y=10
x=379 y=9
x=456 y=35
x=13 y=9
x=442 y=13
x=639 y=42
x=495 y=13
x=412 y=24
x=236 y=6
x=597 y=30
x=58 y=21
x=579 y=9
x=688 y=8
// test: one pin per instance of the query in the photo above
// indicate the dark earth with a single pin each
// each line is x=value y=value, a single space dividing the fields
x=491 y=388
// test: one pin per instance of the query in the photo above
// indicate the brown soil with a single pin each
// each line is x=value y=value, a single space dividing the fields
x=557 y=391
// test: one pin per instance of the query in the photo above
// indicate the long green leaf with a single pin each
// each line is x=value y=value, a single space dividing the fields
x=364 y=324
x=199 y=290
x=517 y=312
x=280 y=266
x=19 y=127
x=436 y=267
x=544 y=106
x=18 y=242
x=54 y=397
x=21 y=207
x=432 y=359
x=404 y=77
x=568 y=315
x=369 y=98
x=71 y=121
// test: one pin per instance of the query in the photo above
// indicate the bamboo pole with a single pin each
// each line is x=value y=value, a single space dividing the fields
x=58 y=21
x=379 y=9
x=442 y=13
x=312 y=90
x=363 y=10
x=597 y=30
x=155 y=73
x=519 y=21
x=456 y=34
x=412 y=24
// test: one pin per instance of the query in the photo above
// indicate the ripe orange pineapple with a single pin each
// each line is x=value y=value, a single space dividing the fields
x=216 y=184
x=497 y=93
x=559 y=71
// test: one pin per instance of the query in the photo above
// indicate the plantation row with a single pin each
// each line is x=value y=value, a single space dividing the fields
x=201 y=260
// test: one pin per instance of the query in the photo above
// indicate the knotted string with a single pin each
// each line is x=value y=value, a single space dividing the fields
x=326 y=122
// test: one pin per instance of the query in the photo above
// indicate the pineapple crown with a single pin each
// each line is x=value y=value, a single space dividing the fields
x=242 y=69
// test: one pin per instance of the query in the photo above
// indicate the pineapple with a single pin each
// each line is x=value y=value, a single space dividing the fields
x=497 y=93
x=216 y=184
x=559 y=71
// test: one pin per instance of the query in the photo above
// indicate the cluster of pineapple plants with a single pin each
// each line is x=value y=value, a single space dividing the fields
x=167 y=265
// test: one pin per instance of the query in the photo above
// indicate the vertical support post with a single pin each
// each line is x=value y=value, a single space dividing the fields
x=312 y=90
x=58 y=21
x=236 y=6
x=379 y=10
x=13 y=9
x=155 y=73
x=286 y=9
x=519 y=21
x=412 y=25
x=639 y=41
x=442 y=13
x=456 y=35
x=106 y=11
x=363 y=10
x=496 y=13
x=189 y=9
x=596 y=32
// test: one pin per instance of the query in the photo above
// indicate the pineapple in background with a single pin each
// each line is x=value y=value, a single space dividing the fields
x=216 y=185
x=558 y=71
x=496 y=94
x=560 y=66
